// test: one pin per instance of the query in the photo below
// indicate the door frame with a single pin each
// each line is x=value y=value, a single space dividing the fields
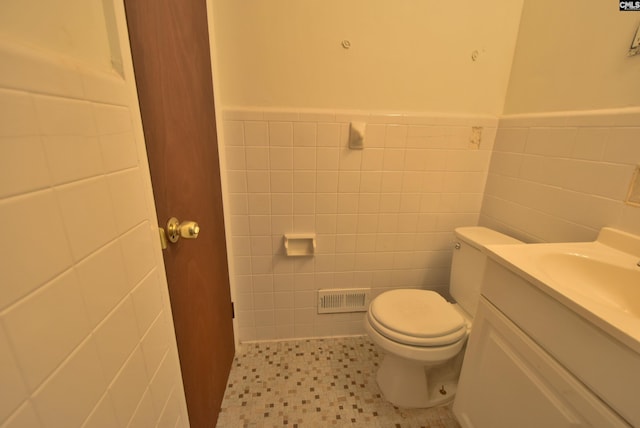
x=220 y=113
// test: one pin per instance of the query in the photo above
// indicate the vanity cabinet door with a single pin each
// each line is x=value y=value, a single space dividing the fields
x=508 y=381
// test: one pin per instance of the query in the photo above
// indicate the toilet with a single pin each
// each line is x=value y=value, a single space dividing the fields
x=422 y=334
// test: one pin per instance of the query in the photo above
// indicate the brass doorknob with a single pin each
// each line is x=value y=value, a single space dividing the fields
x=186 y=229
x=189 y=229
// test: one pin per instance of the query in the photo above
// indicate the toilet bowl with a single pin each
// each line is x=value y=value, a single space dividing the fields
x=423 y=335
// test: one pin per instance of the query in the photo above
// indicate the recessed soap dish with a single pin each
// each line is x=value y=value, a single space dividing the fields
x=300 y=244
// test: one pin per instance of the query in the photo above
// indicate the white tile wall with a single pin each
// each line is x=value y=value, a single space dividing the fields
x=84 y=315
x=562 y=177
x=383 y=216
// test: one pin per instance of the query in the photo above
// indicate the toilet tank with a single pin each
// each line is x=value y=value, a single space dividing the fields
x=468 y=264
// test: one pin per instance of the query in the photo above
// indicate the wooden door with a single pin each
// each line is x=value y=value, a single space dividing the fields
x=170 y=50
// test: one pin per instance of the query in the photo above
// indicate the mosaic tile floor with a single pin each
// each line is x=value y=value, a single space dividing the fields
x=315 y=383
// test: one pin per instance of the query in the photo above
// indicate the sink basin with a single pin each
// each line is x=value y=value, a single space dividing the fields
x=599 y=280
x=604 y=282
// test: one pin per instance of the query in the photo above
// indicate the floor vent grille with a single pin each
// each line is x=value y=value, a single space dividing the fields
x=343 y=300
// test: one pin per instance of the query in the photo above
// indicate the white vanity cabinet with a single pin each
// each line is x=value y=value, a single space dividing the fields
x=513 y=376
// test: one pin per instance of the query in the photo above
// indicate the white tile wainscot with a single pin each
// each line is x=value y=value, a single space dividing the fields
x=383 y=216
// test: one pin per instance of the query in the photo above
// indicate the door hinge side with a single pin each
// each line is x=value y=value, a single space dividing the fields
x=233 y=311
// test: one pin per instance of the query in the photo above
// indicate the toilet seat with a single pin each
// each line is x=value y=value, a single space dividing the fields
x=416 y=317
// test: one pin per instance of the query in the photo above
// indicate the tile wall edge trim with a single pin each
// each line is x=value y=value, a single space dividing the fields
x=346 y=116
x=580 y=118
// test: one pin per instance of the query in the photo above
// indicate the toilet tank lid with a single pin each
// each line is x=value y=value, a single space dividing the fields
x=479 y=236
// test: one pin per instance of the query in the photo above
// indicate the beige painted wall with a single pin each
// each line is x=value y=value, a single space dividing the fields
x=405 y=55
x=571 y=55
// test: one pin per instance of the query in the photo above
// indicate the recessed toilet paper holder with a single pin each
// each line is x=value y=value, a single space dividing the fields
x=300 y=244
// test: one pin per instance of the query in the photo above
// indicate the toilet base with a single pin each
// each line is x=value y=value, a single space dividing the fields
x=408 y=384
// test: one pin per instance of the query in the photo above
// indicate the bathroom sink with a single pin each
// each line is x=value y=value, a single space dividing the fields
x=607 y=283
x=599 y=280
